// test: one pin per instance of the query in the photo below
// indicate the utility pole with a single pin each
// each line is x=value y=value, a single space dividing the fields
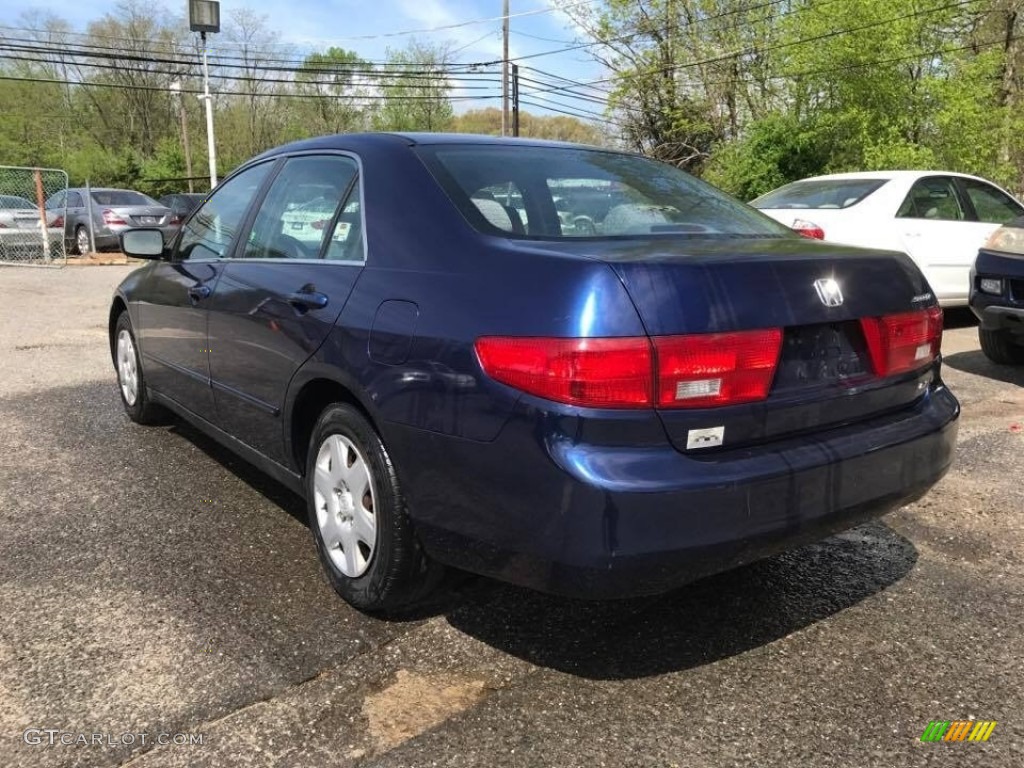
x=203 y=17
x=176 y=88
x=504 y=70
x=515 y=99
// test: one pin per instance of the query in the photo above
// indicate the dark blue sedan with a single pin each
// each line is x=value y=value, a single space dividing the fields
x=574 y=369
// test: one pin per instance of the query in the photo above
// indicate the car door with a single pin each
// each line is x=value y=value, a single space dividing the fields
x=279 y=297
x=935 y=228
x=173 y=299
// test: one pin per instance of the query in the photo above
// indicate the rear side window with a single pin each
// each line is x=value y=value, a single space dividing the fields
x=934 y=198
x=821 y=193
x=560 y=193
x=992 y=205
x=299 y=210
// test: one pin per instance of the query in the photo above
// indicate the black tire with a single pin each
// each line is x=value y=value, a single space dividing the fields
x=398 y=573
x=1000 y=347
x=142 y=410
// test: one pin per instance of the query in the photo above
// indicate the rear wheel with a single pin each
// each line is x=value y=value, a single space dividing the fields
x=81 y=246
x=1000 y=347
x=130 y=380
x=358 y=516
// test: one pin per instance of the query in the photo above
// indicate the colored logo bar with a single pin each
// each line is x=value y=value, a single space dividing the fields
x=958 y=730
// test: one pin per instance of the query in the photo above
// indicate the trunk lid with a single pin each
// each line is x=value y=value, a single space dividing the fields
x=824 y=376
x=142 y=215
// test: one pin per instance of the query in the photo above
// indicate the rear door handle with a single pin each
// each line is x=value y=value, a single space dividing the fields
x=198 y=292
x=308 y=300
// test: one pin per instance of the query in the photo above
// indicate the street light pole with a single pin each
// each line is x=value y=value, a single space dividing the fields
x=203 y=17
x=209 y=115
x=504 y=69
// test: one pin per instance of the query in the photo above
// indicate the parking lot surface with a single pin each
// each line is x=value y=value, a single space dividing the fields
x=153 y=585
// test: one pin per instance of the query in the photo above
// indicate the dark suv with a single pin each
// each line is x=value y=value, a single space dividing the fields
x=997 y=294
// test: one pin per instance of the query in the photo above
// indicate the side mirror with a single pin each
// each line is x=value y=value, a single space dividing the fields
x=143 y=243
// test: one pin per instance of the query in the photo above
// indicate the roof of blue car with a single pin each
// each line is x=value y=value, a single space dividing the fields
x=356 y=140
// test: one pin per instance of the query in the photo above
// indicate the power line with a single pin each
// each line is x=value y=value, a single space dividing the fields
x=284 y=95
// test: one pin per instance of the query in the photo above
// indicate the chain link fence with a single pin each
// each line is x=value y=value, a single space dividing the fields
x=32 y=216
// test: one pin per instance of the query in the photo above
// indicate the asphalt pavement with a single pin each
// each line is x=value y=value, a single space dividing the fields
x=154 y=588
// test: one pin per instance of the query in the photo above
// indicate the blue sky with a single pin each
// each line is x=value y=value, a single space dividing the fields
x=369 y=27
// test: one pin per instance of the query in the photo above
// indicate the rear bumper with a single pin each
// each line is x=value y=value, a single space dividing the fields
x=536 y=508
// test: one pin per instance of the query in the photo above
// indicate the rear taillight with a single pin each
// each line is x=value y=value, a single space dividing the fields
x=808 y=229
x=903 y=342
x=595 y=373
x=109 y=217
x=58 y=222
x=716 y=369
x=176 y=219
x=695 y=371
x=2 y=225
x=320 y=224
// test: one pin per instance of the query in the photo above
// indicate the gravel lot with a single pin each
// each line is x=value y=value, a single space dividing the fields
x=152 y=583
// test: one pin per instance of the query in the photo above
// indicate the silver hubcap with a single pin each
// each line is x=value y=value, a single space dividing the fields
x=345 y=509
x=83 y=241
x=127 y=367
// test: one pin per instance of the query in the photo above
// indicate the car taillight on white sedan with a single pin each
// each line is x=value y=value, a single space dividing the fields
x=807 y=229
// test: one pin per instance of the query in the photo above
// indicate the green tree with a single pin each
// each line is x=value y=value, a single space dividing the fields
x=415 y=88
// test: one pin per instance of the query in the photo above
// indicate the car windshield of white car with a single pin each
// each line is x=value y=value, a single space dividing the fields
x=823 y=193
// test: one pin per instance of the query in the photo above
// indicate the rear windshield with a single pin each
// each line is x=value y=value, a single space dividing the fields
x=559 y=193
x=121 y=197
x=10 y=202
x=825 y=193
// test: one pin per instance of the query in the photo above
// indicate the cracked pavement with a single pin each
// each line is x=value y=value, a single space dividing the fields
x=151 y=582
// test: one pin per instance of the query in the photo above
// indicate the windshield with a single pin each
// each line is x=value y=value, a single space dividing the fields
x=559 y=193
x=823 y=193
x=121 y=197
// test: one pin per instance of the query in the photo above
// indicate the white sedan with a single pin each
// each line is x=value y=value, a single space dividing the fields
x=939 y=218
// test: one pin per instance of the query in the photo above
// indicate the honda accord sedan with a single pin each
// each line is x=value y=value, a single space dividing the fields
x=450 y=379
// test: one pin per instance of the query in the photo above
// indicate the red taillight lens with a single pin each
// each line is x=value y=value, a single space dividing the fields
x=594 y=373
x=696 y=371
x=109 y=217
x=808 y=229
x=903 y=342
x=717 y=368
x=58 y=222
x=320 y=224
x=176 y=219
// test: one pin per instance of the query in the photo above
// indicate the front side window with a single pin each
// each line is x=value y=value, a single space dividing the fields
x=211 y=231
x=819 y=193
x=560 y=193
x=992 y=205
x=299 y=210
x=933 y=198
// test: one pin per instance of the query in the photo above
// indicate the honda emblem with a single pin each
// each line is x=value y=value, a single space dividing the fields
x=829 y=292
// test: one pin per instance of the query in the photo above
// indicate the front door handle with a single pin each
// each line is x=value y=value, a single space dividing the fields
x=308 y=300
x=198 y=292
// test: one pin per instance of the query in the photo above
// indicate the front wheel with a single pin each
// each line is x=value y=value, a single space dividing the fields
x=130 y=380
x=1000 y=347
x=358 y=516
